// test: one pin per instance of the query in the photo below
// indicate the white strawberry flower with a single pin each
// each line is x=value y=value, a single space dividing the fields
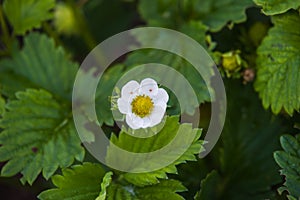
x=143 y=104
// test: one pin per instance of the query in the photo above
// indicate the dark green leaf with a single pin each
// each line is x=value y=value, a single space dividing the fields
x=289 y=161
x=38 y=136
x=278 y=75
x=44 y=65
x=29 y=14
x=213 y=13
x=274 y=7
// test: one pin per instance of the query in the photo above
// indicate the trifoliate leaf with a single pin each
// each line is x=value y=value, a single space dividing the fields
x=38 y=136
x=274 y=7
x=105 y=183
x=150 y=144
x=213 y=13
x=29 y=14
x=81 y=182
x=278 y=75
x=44 y=65
x=289 y=161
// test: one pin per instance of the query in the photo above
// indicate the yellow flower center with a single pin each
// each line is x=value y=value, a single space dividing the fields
x=142 y=105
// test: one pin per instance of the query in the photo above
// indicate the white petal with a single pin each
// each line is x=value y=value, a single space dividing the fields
x=134 y=121
x=146 y=122
x=129 y=89
x=162 y=95
x=161 y=104
x=157 y=115
x=123 y=106
x=149 y=87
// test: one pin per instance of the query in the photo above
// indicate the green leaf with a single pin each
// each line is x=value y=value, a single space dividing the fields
x=2 y=105
x=150 y=144
x=274 y=7
x=278 y=75
x=38 y=136
x=166 y=189
x=43 y=65
x=244 y=163
x=289 y=161
x=213 y=13
x=81 y=182
x=29 y=14
x=208 y=186
x=105 y=183
x=249 y=138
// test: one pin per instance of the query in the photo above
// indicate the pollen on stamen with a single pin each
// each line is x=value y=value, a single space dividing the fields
x=142 y=106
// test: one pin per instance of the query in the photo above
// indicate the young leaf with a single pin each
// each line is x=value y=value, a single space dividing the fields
x=38 y=136
x=29 y=14
x=81 y=182
x=278 y=75
x=213 y=13
x=143 y=145
x=289 y=161
x=105 y=183
x=44 y=65
x=274 y=7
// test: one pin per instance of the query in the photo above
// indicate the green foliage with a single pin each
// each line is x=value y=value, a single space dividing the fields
x=274 y=7
x=39 y=136
x=2 y=105
x=82 y=182
x=289 y=161
x=142 y=145
x=248 y=140
x=194 y=29
x=43 y=65
x=29 y=14
x=209 y=186
x=105 y=91
x=278 y=65
x=215 y=14
x=105 y=183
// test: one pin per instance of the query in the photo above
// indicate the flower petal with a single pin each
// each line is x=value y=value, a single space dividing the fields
x=162 y=95
x=157 y=115
x=161 y=104
x=149 y=87
x=129 y=89
x=134 y=121
x=146 y=122
x=123 y=106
